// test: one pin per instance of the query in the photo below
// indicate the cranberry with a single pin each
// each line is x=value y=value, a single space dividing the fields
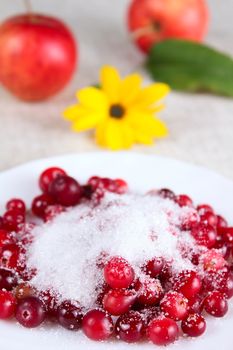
x=16 y=204
x=174 y=305
x=130 y=327
x=120 y=186
x=204 y=208
x=189 y=221
x=13 y=219
x=97 y=196
x=97 y=325
x=209 y=218
x=119 y=301
x=94 y=182
x=166 y=272
x=50 y=301
x=30 y=312
x=221 y=222
x=166 y=193
x=196 y=304
x=118 y=273
x=5 y=238
x=69 y=316
x=52 y=211
x=227 y=235
x=40 y=204
x=7 y=304
x=188 y=283
x=194 y=325
x=222 y=281
x=8 y=279
x=215 y=304
x=150 y=291
x=48 y=176
x=162 y=331
x=9 y=256
x=154 y=267
x=149 y=313
x=213 y=260
x=1 y=222
x=184 y=201
x=204 y=235
x=23 y=290
x=66 y=191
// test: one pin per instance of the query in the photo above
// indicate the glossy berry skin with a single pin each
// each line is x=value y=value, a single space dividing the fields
x=5 y=238
x=174 y=305
x=204 y=235
x=215 y=304
x=209 y=218
x=97 y=325
x=8 y=279
x=40 y=204
x=130 y=327
x=1 y=222
x=194 y=325
x=188 y=283
x=69 y=316
x=213 y=260
x=50 y=301
x=118 y=301
x=166 y=193
x=204 y=208
x=154 y=266
x=118 y=273
x=16 y=204
x=221 y=281
x=221 y=222
x=162 y=331
x=48 y=176
x=30 y=312
x=66 y=191
x=12 y=219
x=7 y=304
x=227 y=235
x=183 y=200
x=9 y=256
x=23 y=291
x=190 y=221
x=150 y=291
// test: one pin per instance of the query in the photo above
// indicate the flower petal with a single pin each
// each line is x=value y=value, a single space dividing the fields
x=151 y=94
x=130 y=87
x=110 y=83
x=93 y=99
x=88 y=121
x=73 y=112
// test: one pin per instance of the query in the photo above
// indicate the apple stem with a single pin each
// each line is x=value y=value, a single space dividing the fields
x=138 y=33
x=28 y=5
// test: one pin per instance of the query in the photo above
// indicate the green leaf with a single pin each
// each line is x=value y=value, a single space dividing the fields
x=189 y=66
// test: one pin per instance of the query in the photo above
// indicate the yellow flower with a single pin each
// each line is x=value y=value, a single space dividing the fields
x=121 y=110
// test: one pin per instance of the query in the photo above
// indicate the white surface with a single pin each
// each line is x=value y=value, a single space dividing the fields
x=143 y=173
x=201 y=126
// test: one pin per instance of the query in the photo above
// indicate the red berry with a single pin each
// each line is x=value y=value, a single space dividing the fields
x=213 y=260
x=130 y=327
x=119 y=301
x=5 y=238
x=40 y=204
x=215 y=304
x=227 y=235
x=221 y=281
x=221 y=221
x=30 y=312
x=1 y=222
x=154 y=267
x=24 y=290
x=8 y=279
x=209 y=218
x=118 y=273
x=48 y=176
x=9 y=256
x=16 y=204
x=52 y=211
x=97 y=325
x=183 y=200
x=69 y=316
x=204 y=208
x=7 y=304
x=190 y=220
x=121 y=186
x=194 y=325
x=174 y=305
x=204 y=235
x=196 y=304
x=12 y=220
x=94 y=182
x=150 y=291
x=50 y=301
x=188 y=283
x=65 y=190
x=166 y=193
x=162 y=331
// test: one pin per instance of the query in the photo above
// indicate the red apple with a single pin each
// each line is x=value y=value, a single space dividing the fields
x=37 y=56
x=151 y=21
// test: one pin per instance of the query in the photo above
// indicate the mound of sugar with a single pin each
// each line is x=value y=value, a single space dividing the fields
x=67 y=251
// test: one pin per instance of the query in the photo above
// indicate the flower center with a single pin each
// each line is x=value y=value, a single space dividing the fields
x=117 y=111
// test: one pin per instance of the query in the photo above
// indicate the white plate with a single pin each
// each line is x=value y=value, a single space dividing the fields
x=143 y=172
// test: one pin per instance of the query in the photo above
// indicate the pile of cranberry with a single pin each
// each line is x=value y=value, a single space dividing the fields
x=129 y=307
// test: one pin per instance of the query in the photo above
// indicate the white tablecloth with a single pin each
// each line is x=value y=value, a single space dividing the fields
x=201 y=126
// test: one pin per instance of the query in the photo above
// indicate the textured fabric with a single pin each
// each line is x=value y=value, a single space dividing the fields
x=201 y=126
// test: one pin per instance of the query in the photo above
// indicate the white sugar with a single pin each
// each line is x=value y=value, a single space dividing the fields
x=135 y=227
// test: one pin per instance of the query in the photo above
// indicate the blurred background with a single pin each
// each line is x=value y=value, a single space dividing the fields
x=201 y=126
